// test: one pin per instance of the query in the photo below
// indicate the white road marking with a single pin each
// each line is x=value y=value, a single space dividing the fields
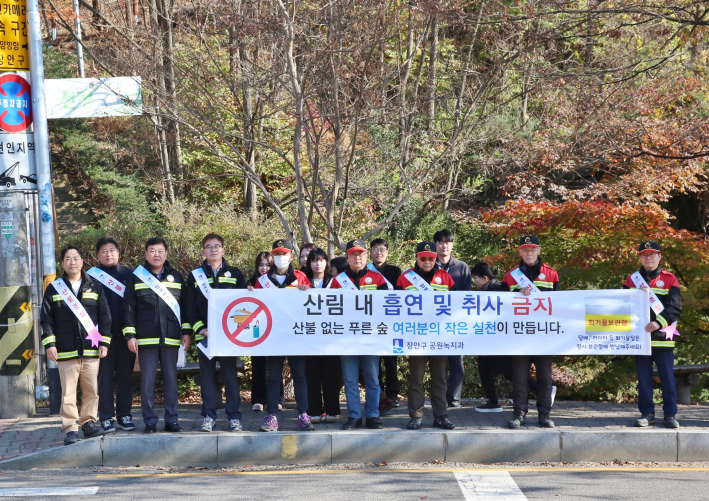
x=488 y=486
x=47 y=491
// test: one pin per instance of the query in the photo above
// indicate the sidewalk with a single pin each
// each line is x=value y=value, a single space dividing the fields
x=25 y=436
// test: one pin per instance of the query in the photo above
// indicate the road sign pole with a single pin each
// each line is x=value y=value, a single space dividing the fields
x=77 y=31
x=17 y=364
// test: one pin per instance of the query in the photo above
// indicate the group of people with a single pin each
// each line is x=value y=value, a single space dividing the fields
x=96 y=322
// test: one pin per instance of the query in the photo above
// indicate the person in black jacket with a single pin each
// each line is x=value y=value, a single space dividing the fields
x=460 y=273
x=219 y=275
x=491 y=365
x=67 y=341
x=154 y=329
x=117 y=366
x=379 y=250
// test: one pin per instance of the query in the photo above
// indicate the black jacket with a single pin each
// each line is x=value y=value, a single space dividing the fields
x=228 y=277
x=62 y=329
x=115 y=302
x=494 y=285
x=147 y=317
x=460 y=272
x=390 y=272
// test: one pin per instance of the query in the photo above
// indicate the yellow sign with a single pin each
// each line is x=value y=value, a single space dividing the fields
x=14 y=54
x=618 y=323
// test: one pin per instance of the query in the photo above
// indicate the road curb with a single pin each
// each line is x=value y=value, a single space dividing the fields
x=324 y=447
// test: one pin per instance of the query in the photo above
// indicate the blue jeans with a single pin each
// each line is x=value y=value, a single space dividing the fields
x=275 y=380
x=664 y=358
x=350 y=372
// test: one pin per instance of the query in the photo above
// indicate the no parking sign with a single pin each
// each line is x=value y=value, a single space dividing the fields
x=15 y=103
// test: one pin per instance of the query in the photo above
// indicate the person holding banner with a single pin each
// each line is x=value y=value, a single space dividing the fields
x=117 y=366
x=427 y=277
x=76 y=332
x=665 y=310
x=282 y=275
x=215 y=273
x=460 y=273
x=379 y=249
x=152 y=323
x=262 y=265
x=357 y=277
x=531 y=276
x=323 y=374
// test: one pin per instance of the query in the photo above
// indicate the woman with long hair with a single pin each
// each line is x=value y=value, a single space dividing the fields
x=322 y=373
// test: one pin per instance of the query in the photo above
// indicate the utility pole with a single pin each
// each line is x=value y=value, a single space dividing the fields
x=45 y=244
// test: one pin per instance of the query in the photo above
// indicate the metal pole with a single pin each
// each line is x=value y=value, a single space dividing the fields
x=77 y=30
x=41 y=149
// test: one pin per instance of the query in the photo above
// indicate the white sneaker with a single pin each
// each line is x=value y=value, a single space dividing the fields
x=208 y=424
x=330 y=419
x=315 y=419
x=553 y=394
x=280 y=407
x=257 y=407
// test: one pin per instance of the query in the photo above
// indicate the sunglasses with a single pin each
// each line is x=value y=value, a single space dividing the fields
x=428 y=259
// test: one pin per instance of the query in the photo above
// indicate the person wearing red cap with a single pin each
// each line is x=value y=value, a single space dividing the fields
x=539 y=277
x=282 y=275
x=426 y=275
x=357 y=277
x=663 y=288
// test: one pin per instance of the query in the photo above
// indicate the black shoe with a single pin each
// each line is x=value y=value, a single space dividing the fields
x=352 y=424
x=414 y=423
x=645 y=420
x=125 y=423
x=396 y=402
x=489 y=407
x=443 y=422
x=90 y=430
x=173 y=427
x=373 y=423
x=150 y=428
x=671 y=422
x=517 y=421
x=545 y=421
x=71 y=438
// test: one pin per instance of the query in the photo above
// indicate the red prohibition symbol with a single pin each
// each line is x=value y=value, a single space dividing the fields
x=260 y=307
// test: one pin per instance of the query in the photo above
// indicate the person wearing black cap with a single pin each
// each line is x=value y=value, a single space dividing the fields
x=282 y=275
x=214 y=273
x=543 y=278
x=426 y=275
x=357 y=277
x=663 y=286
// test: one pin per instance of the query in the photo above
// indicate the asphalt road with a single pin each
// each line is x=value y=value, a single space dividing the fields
x=465 y=484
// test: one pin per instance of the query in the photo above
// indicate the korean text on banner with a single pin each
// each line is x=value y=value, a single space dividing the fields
x=343 y=322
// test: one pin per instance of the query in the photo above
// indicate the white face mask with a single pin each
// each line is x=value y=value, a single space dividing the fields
x=281 y=261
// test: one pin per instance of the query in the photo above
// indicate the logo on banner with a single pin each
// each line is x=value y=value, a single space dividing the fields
x=247 y=322
x=15 y=99
x=398 y=346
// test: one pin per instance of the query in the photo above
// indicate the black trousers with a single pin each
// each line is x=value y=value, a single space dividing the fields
x=116 y=368
x=149 y=356
x=456 y=374
x=490 y=366
x=210 y=389
x=520 y=375
x=323 y=375
x=391 y=388
x=258 y=380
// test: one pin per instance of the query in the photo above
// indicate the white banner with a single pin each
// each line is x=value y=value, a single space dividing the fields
x=343 y=322
x=93 y=97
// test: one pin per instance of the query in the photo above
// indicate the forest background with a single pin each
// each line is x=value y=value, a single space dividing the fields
x=584 y=122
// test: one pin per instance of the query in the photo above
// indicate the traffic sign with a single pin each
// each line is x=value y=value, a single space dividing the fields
x=14 y=53
x=15 y=103
x=252 y=322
